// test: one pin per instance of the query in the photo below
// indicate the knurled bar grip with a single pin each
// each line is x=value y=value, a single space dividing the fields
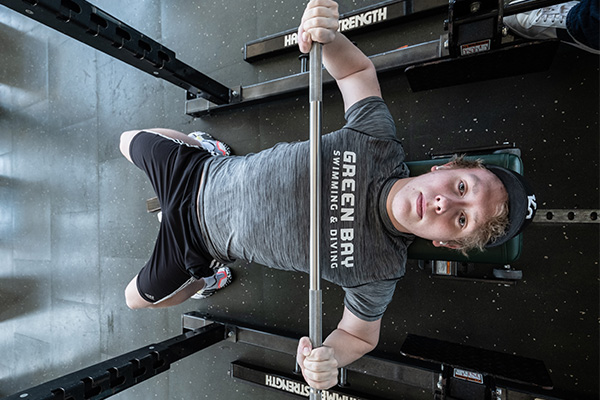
x=315 y=97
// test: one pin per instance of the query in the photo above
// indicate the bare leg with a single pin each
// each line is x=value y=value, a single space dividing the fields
x=132 y=296
x=134 y=300
x=126 y=138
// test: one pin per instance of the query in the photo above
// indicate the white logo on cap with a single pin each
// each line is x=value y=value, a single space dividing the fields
x=531 y=207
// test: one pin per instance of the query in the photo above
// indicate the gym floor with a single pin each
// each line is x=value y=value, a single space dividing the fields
x=74 y=228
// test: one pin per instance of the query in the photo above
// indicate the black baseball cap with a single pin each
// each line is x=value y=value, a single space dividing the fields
x=521 y=203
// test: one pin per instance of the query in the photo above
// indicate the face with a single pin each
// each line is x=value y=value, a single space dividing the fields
x=446 y=204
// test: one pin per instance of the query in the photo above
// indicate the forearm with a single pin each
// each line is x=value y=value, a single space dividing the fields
x=342 y=58
x=347 y=348
x=354 y=73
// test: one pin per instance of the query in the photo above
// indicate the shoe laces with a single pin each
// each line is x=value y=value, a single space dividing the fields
x=552 y=14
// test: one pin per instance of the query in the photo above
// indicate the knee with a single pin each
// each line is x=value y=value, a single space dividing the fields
x=132 y=297
x=135 y=302
x=130 y=300
x=125 y=141
x=130 y=303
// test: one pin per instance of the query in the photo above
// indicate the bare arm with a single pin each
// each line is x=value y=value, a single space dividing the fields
x=353 y=71
x=352 y=339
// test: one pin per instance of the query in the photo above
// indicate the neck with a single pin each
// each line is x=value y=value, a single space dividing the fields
x=400 y=183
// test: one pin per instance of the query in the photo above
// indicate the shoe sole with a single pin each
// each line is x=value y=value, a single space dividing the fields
x=208 y=293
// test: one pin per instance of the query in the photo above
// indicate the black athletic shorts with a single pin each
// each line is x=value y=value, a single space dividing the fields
x=179 y=256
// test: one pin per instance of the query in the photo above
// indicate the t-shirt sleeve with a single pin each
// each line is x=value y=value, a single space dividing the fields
x=369 y=301
x=372 y=117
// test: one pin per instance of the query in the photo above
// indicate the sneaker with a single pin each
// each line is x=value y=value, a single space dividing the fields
x=210 y=144
x=219 y=280
x=545 y=23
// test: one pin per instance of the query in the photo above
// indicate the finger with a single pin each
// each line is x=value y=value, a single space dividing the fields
x=321 y=380
x=320 y=35
x=320 y=367
x=320 y=354
x=304 y=38
x=304 y=41
x=321 y=3
x=321 y=21
x=303 y=350
x=321 y=377
x=327 y=21
x=320 y=12
x=319 y=18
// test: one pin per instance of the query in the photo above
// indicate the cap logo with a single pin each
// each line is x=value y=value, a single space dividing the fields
x=531 y=207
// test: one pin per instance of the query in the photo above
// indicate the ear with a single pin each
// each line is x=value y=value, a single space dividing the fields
x=447 y=245
x=444 y=166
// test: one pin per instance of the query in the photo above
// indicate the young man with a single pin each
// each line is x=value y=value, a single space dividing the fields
x=256 y=207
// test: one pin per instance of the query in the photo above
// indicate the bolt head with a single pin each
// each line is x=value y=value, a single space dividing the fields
x=475 y=6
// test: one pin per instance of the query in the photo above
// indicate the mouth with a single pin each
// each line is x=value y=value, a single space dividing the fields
x=420 y=204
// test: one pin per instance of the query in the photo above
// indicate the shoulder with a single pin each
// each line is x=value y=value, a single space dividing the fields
x=366 y=105
x=369 y=301
x=372 y=117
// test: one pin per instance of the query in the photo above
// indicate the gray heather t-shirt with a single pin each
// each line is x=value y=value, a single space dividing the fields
x=256 y=208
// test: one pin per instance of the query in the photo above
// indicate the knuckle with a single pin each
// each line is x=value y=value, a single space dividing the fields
x=307 y=364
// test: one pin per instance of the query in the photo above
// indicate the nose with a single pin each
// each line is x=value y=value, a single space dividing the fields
x=440 y=204
x=444 y=203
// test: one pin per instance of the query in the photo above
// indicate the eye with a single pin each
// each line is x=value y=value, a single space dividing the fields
x=461 y=187
x=462 y=220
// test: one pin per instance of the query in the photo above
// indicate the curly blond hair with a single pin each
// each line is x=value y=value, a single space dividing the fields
x=493 y=228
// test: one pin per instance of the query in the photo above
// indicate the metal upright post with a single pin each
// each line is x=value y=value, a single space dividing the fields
x=316 y=98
